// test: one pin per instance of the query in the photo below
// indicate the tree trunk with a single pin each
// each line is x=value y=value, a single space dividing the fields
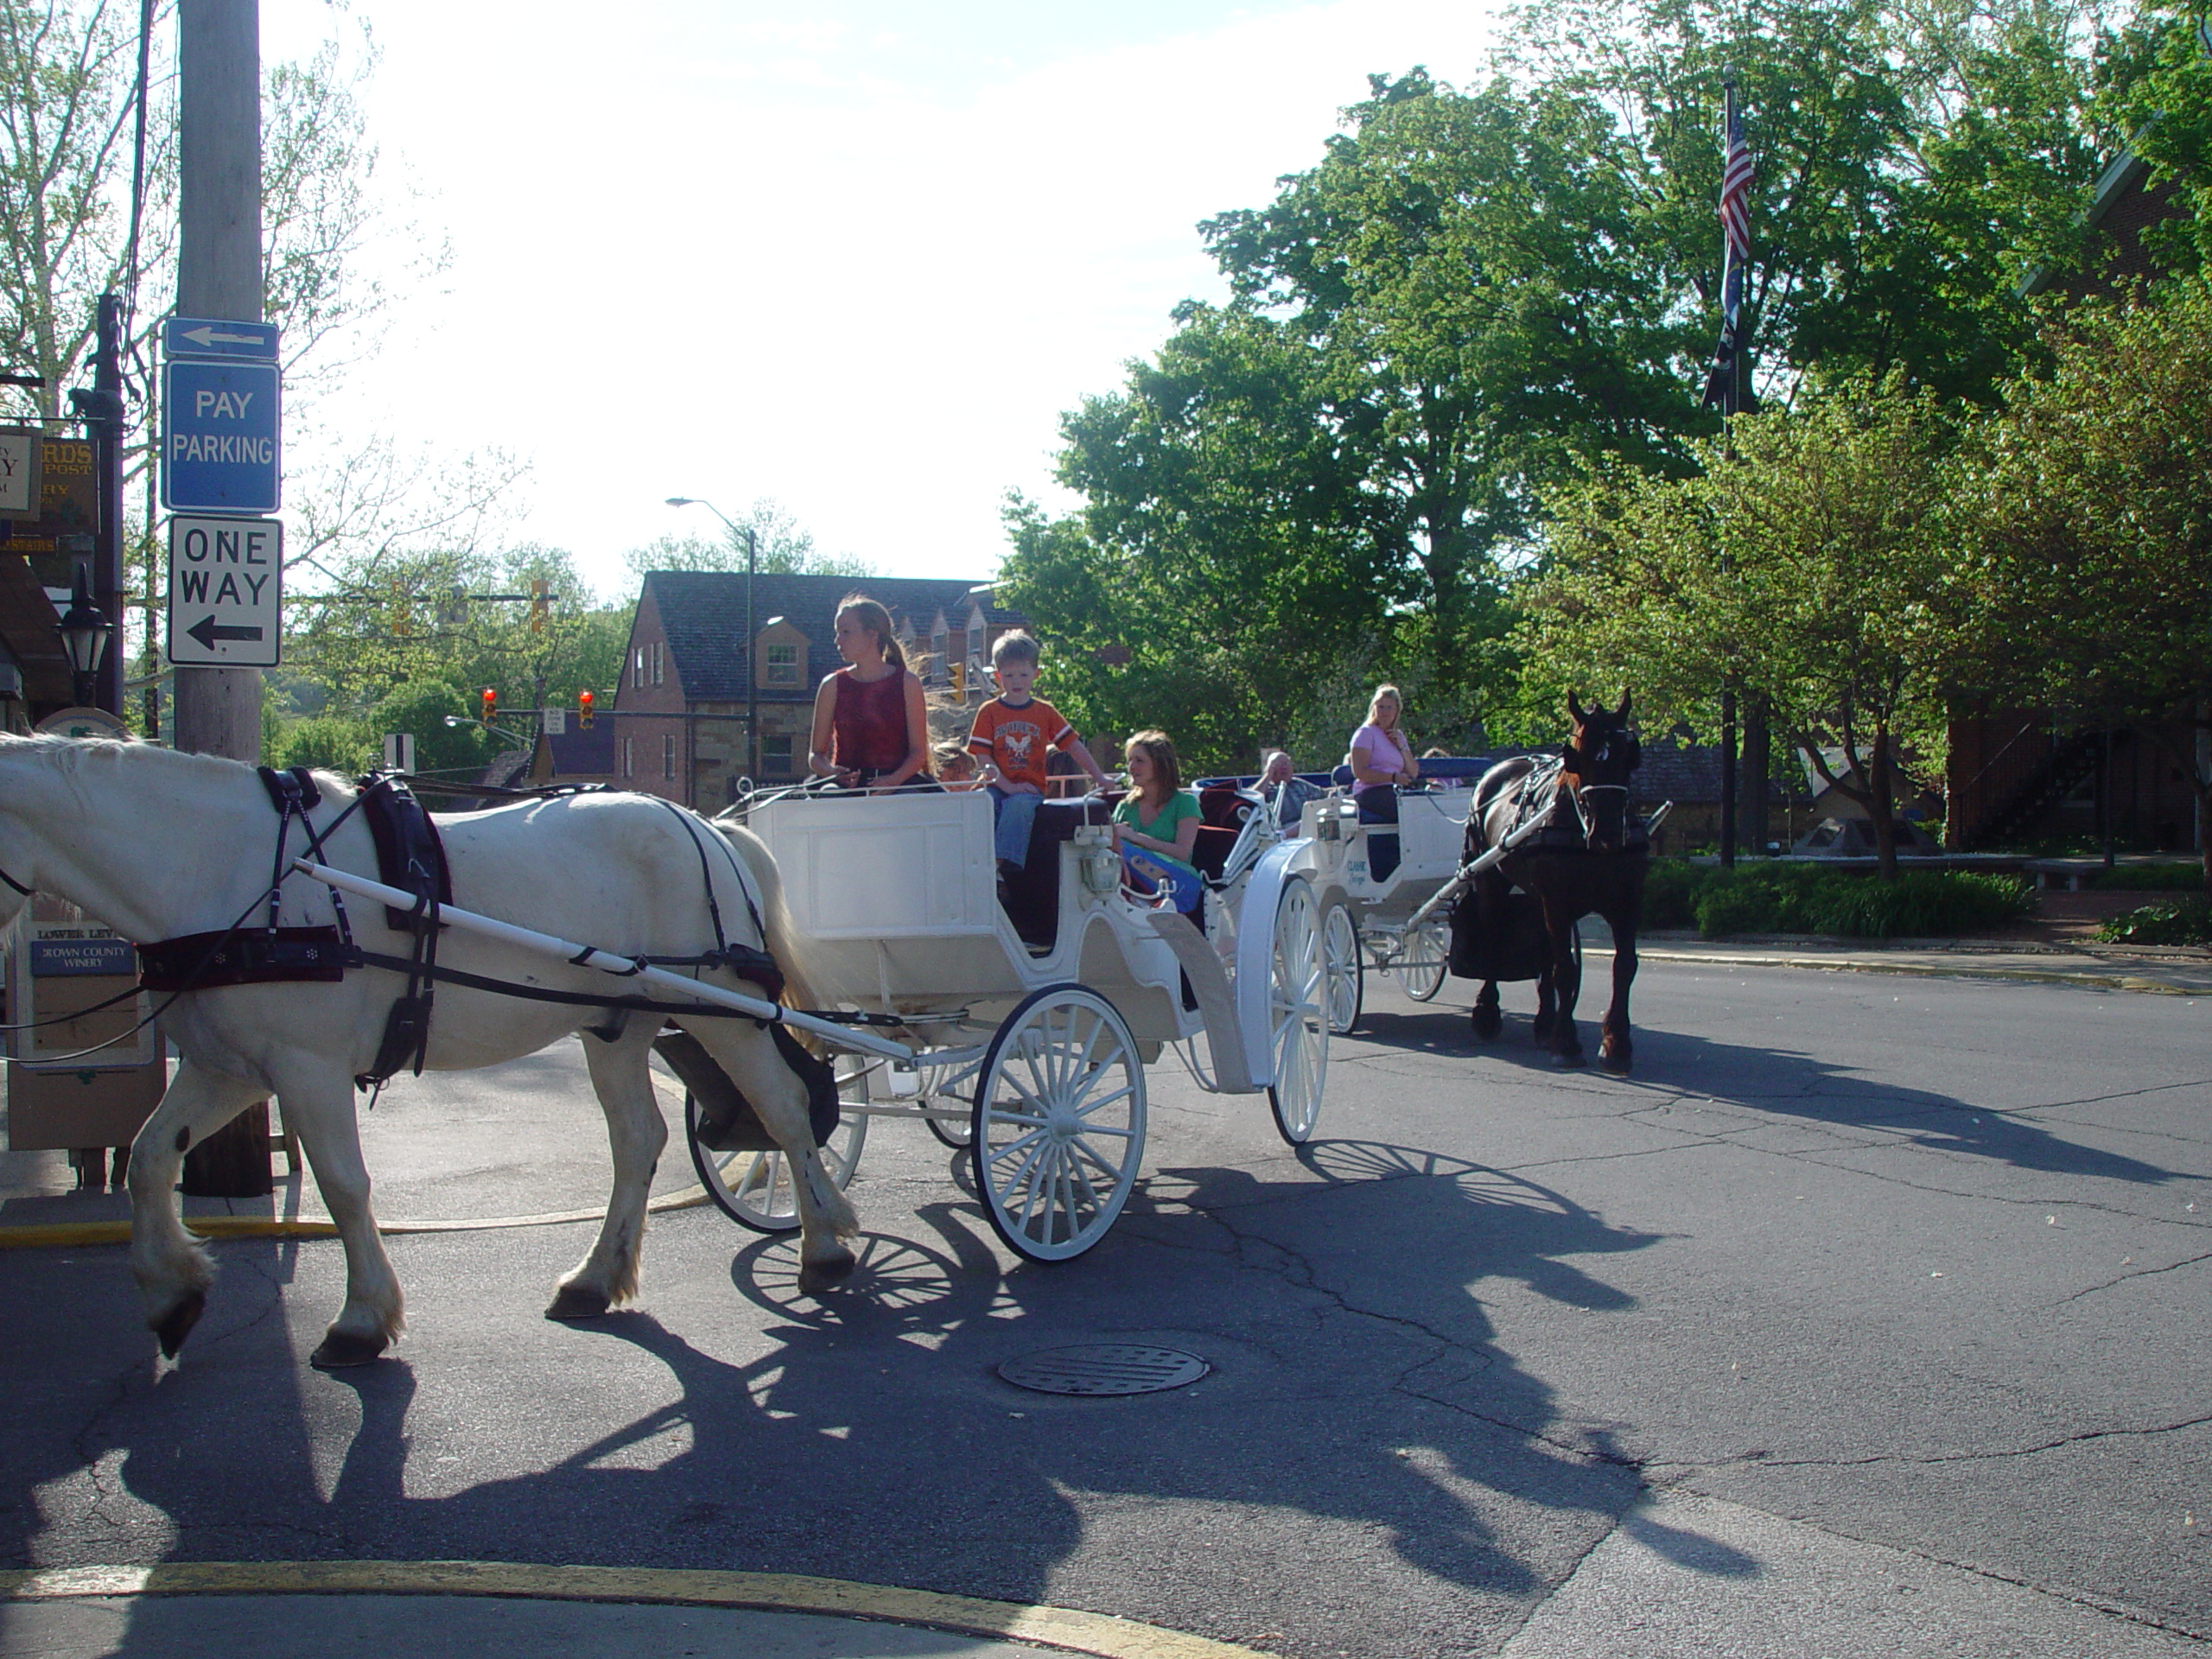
x=1881 y=807
x=1750 y=800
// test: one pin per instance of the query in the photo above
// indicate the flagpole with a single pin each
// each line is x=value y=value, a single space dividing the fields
x=1731 y=278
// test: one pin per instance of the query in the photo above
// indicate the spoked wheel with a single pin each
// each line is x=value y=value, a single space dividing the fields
x=755 y=1189
x=1058 y=1122
x=1298 y=1012
x=1347 y=972
x=936 y=1090
x=1421 y=956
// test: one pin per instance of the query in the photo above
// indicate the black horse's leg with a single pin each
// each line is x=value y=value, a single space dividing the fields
x=1616 y=1052
x=1489 y=1021
x=1566 y=980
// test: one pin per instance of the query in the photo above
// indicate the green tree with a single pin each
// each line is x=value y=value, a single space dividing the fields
x=423 y=709
x=1813 y=566
x=2091 y=543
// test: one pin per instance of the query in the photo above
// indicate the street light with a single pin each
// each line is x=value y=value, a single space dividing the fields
x=84 y=629
x=752 y=635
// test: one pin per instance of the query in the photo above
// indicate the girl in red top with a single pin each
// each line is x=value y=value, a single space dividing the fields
x=871 y=728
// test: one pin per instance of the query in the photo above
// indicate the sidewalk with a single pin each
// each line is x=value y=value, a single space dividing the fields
x=2174 y=972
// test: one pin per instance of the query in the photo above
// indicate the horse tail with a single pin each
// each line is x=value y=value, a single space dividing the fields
x=803 y=986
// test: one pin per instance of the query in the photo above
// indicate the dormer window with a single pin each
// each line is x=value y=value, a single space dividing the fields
x=780 y=665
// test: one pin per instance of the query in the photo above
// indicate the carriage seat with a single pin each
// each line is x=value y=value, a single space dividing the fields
x=1032 y=893
x=1222 y=812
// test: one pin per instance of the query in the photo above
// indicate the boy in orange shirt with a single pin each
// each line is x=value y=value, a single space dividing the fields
x=1013 y=731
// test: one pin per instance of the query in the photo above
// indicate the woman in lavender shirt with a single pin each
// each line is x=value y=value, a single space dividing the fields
x=1380 y=760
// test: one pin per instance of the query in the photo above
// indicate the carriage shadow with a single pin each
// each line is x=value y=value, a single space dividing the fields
x=1359 y=1383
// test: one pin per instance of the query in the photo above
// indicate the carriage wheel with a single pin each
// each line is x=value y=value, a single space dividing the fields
x=1421 y=956
x=958 y=1133
x=1058 y=1122
x=1298 y=1013
x=755 y=1189
x=1347 y=970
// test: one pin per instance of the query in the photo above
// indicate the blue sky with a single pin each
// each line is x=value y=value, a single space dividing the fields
x=857 y=256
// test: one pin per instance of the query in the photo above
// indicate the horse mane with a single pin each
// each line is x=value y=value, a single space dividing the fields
x=72 y=759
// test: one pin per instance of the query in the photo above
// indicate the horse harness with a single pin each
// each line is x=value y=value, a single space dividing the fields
x=410 y=857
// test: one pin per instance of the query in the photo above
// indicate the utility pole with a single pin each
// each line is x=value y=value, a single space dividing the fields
x=218 y=710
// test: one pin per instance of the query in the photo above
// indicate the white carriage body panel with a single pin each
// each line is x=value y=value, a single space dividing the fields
x=907 y=866
x=898 y=898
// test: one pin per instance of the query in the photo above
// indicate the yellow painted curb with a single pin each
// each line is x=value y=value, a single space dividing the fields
x=46 y=1235
x=1064 y=1628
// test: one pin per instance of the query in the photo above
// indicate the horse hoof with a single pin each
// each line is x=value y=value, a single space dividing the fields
x=814 y=1277
x=1612 y=1065
x=1487 y=1028
x=340 y=1349
x=1577 y=1059
x=577 y=1302
x=174 y=1326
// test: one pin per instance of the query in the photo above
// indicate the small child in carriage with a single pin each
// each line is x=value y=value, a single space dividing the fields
x=1012 y=732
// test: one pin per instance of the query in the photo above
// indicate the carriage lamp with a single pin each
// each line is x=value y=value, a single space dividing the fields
x=84 y=629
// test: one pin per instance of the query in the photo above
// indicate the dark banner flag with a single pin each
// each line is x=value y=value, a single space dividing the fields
x=1736 y=231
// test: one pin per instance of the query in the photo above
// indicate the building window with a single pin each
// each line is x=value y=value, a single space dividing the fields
x=776 y=755
x=638 y=668
x=629 y=756
x=657 y=662
x=782 y=665
x=668 y=756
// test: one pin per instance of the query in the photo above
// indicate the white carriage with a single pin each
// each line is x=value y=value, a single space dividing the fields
x=1031 y=1052
x=1389 y=922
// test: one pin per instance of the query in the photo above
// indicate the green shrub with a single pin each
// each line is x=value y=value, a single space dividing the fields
x=1920 y=904
x=2149 y=878
x=1670 y=893
x=1803 y=898
x=2187 y=921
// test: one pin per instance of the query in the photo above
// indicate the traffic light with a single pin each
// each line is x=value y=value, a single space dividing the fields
x=585 y=709
x=541 y=603
x=491 y=706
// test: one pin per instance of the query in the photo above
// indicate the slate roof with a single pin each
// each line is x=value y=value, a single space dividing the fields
x=702 y=613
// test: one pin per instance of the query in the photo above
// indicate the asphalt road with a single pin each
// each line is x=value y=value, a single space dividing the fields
x=1870 y=1316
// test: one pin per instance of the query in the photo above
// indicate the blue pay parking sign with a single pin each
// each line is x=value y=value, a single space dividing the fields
x=220 y=451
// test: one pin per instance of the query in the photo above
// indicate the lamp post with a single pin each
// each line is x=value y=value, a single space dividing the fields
x=84 y=629
x=752 y=634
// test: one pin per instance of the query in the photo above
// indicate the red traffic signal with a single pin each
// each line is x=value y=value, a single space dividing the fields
x=585 y=709
x=490 y=705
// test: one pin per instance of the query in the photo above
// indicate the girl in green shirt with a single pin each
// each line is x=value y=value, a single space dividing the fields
x=1156 y=825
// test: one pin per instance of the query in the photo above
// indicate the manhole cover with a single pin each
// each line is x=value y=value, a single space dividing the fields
x=1104 y=1368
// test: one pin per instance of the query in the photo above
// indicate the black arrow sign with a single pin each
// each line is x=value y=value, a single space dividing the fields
x=207 y=631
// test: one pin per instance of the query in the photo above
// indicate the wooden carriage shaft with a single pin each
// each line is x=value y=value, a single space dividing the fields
x=585 y=955
x=1457 y=884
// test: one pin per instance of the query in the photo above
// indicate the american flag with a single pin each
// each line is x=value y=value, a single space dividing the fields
x=1736 y=172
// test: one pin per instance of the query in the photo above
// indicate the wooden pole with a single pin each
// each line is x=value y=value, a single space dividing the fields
x=218 y=710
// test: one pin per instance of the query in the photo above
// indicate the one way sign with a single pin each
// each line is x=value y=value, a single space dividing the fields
x=226 y=592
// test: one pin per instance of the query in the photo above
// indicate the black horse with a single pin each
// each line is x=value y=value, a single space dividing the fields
x=1591 y=859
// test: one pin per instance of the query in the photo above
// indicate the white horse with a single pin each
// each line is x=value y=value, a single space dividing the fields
x=159 y=845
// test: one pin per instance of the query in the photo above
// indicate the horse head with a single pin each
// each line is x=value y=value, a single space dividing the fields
x=1599 y=757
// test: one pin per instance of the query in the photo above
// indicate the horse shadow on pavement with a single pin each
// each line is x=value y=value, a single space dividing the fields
x=1362 y=1413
